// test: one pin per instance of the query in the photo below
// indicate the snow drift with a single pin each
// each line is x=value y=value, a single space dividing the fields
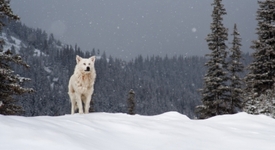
x=106 y=131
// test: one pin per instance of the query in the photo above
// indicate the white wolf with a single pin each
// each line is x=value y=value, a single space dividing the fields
x=81 y=84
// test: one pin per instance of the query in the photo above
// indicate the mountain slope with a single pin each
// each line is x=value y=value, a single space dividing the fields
x=105 y=131
x=161 y=84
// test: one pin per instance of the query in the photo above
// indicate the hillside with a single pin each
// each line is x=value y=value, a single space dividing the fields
x=108 y=131
x=161 y=84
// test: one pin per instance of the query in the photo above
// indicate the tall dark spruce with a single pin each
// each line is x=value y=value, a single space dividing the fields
x=215 y=96
x=261 y=76
x=235 y=68
x=10 y=83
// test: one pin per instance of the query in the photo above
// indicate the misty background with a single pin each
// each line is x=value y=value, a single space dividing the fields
x=128 y=28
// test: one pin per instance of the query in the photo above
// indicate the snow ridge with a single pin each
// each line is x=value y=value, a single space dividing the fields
x=105 y=131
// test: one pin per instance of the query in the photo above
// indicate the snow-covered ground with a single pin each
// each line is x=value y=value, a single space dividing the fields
x=106 y=131
x=17 y=43
x=8 y=45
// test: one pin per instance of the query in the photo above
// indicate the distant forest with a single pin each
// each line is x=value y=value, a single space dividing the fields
x=160 y=84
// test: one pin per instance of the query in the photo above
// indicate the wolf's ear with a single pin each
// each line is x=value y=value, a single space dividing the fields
x=78 y=58
x=92 y=58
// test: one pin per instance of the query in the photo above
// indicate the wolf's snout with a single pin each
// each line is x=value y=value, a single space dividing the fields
x=87 y=69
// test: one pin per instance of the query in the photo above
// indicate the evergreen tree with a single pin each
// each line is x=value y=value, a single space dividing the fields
x=263 y=104
x=215 y=92
x=262 y=70
x=235 y=67
x=10 y=83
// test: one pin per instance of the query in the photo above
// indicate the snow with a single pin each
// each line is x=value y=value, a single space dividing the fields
x=38 y=53
x=51 y=86
x=55 y=79
x=17 y=43
x=8 y=45
x=107 y=131
x=47 y=69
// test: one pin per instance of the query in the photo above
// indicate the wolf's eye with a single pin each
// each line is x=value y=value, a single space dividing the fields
x=84 y=64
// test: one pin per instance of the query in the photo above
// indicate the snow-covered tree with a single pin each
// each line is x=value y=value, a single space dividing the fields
x=264 y=104
x=10 y=83
x=235 y=68
x=215 y=91
x=262 y=70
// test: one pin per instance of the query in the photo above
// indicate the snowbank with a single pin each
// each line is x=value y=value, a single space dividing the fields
x=106 y=131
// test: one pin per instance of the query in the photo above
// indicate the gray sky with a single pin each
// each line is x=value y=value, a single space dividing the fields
x=127 y=28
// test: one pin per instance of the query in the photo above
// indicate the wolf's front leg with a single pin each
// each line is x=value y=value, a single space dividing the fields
x=72 y=108
x=87 y=103
x=73 y=102
x=79 y=104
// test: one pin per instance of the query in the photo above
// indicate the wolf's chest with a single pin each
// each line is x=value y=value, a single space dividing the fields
x=85 y=81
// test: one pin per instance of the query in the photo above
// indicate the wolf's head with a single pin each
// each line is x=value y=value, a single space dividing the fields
x=85 y=65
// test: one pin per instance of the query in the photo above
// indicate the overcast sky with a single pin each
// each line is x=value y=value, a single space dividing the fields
x=127 y=28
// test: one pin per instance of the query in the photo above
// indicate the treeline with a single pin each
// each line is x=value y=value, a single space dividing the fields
x=225 y=91
x=160 y=84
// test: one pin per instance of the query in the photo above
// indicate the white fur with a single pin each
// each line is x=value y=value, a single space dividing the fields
x=81 y=84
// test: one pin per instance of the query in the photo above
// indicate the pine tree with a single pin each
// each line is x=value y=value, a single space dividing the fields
x=235 y=67
x=262 y=70
x=263 y=104
x=10 y=83
x=215 y=91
